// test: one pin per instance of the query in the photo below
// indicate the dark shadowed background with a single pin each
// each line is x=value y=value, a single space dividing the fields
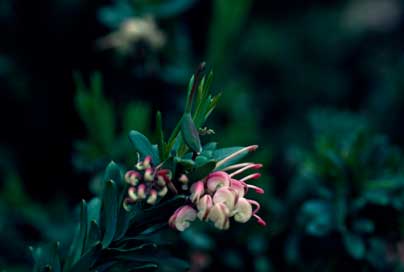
x=317 y=84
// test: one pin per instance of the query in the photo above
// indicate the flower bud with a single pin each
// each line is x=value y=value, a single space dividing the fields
x=183 y=179
x=217 y=180
x=163 y=177
x=204 y=205
x=147 y=162
x=148 y=175
x=141 y=191
x=219 y=215
x=152 y=197
x=243 y=211
x=226 y=196
x=197 y=190
x=132 y=193
x=182 y=218
x=127 y=204
x=161 y=181
x=163 y=192
x=132 y=177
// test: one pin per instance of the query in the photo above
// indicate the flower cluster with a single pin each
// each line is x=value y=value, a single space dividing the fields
x=147 y=183
x=221 y=196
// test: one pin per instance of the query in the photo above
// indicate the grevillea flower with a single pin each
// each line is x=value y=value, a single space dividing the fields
x=222 y=196
x=182 y=217
x=147 y=183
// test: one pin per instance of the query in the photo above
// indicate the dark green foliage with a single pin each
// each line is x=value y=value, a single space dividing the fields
x=97 y=247
x=109 y=237
x=349 y=172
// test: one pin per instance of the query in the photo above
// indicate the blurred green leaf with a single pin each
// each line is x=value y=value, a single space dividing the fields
x=110 y=208
x=143 y=146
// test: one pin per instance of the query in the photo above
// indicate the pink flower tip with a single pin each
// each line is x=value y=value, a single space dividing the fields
x=259 y=191
x=260 y=221
x=258 y=166
x=256 y=176
x=252 y=148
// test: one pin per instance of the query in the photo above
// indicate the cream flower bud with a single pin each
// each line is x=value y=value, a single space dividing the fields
x=148 y=175
x=163 y=192
x=243 y=211
x=204 y=205
x=141 y=191
x=182 y=218
x=132 y=177
x=147 y=162
x=217 y=180
x=132 y=193
x=127 y=204
x=163 y=177
x=183 y=179
x=219 y=215
x=161 y=181
x=152 y=197
x=226 y=196
x=197 y=190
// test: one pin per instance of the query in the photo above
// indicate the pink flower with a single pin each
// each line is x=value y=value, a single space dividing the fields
x=182 y=218
x=197 y=190
x=238 y=186
x=219 y=215
x=204 y=205
x=222 y=196
x=216 y=180
x=227 y=196
x=243 y=211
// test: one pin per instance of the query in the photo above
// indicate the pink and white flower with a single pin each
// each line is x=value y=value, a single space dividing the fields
x=222 y=196
x=182 y=218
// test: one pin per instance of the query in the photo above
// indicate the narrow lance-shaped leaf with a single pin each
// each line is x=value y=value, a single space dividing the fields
x=93 y=236
x=77 y=247
x=190 y=133
x=88 y=259
x=109 y=212
x=160 y=135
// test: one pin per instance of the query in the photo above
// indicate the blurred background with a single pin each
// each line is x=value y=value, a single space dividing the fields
x=317 y=84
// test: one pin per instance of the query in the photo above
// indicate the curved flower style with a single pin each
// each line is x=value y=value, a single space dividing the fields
x=221 y=196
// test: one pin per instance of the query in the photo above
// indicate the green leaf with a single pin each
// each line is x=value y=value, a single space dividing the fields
x=354 y=245
x=78 y=245
x=160 y=135
x=203 y=167
x=143 y=146
x=109 y=212
x=190 y=133
x=155 y=215
x=114 y=172
x=88 y=259
x=46 y=258
x=93 y=236
x=210 y=146
x=94 y=208
x=185 y=163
